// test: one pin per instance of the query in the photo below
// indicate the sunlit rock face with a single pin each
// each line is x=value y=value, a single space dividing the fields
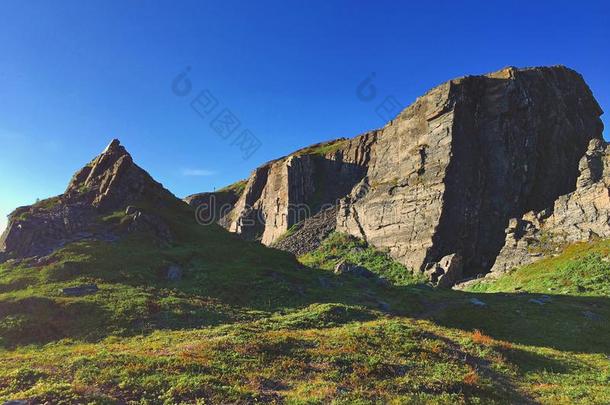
x=446 y=175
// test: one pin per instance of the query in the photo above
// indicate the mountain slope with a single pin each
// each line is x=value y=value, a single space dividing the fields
x=115 y=293
x=446 y=351
x=117 y=254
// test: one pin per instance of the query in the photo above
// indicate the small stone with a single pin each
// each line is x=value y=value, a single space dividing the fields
x=81 y=290
x=345 y=267
x=477 y=302
x=592 y=316
x=447 y=272
x=173 y=273
x=15 y=402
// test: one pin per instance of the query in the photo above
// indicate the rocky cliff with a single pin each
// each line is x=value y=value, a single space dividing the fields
x=111 y=182
x=578 y=216
x=284 y=192
x=444 y=177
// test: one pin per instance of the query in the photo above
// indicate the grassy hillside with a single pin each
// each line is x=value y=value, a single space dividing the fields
x=249 y=324
x=338 y=247
x=583 y=269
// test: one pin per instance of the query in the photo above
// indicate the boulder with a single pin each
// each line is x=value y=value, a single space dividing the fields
x=345 y=267
x=447 y=272
x=81 y=290
x=477 y=302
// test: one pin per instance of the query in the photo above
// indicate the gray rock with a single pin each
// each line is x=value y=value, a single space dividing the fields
x=173 y=273
x=477 y=302
x=15 y=402
x=81 y=290
x=581 y=215
x=446 y=272
x=345 y=267
x=446 y=174
x=130 y=210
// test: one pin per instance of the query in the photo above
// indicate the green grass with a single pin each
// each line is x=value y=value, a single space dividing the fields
x=249 y=324
x=338 y=247
x=581 y=269
x=323 y=148
x=383 y=360
x=237 y=187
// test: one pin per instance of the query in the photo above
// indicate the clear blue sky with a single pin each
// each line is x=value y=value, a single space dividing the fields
x=75 y=74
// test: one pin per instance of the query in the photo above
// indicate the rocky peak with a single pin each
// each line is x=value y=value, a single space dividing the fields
x=110 y=182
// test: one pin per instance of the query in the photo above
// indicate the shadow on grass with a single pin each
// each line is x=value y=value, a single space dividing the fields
x=571 y=323
x=36 y=320
x=255 y=282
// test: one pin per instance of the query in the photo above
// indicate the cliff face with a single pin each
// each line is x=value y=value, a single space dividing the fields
x=286 y=191
x=578 y=216
x=110 y=182
x=453 y=168
x=445 y=176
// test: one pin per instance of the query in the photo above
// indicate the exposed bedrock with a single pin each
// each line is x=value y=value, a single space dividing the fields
x=453 y=168
x=289 y=190
x=445 y=176
x=109 y=183
x=581 y=215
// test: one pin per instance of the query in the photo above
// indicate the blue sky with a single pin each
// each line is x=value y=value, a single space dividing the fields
x=76 y=74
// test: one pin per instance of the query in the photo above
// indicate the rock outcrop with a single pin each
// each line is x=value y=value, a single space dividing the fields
x=453 y=168
x=578 y=216
x=284 y=192
x=481 y=171
x=447 y=272
x=445 y=176
x=111 y=182
x=308 y=234
x=215 y=207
